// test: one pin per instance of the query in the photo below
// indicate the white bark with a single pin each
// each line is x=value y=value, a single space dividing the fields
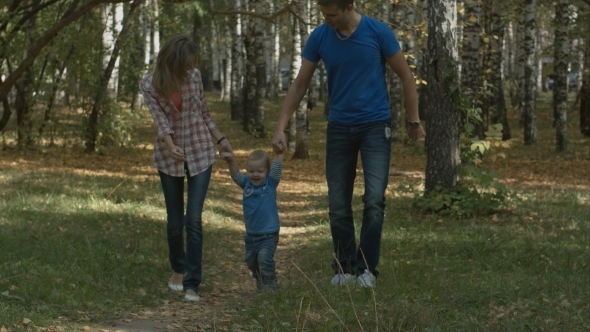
x=112 y=18
x=530 y=75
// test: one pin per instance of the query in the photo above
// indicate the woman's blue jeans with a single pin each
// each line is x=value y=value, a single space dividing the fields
x=189 y=261
x=373 y=141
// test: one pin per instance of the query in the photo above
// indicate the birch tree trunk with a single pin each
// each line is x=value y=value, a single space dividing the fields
x=146 y=37
x=519 y=66
x=584 y=93
x=259 y=27
x=497 y=100
x=111 y=16
x=255 y=88
x=530 y=75
x=301 y=145
x=422 y=89
x=92 y=127
x=291 y=136
x=237 y=53
x=443 y=153
x=470 y=56
x=274 y=71
x=560 y=64
x=227 y=66
x=395 y=16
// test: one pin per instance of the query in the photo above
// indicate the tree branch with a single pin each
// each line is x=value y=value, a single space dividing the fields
x=44 y=40
x=245 y=12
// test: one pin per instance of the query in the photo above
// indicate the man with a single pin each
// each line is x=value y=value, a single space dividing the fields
x=355 y=50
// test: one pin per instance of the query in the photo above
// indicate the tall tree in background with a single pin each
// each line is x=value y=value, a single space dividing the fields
x=443 y=152
x=237 y=53
x=584 y=93
x=498 y=113
x=18 y=13
x=255 y=88
x=520 y=61
x=560 y=61
x=394 y=14
x=470 y=57
x=530 y=74
x=301 y=145
x=92 y=127
x=291 y=136
x=112 y=17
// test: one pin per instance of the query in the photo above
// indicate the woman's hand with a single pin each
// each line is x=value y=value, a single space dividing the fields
x=225 y=150
x=176 y=153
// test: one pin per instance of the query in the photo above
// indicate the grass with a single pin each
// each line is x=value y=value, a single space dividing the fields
x=82 y=243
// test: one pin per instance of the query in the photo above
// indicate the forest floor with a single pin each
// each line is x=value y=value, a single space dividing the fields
x=536 y=167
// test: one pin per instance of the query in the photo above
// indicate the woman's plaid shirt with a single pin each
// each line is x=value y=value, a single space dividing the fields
x=190 y=129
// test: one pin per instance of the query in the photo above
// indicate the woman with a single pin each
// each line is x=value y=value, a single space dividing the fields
x=185 y=145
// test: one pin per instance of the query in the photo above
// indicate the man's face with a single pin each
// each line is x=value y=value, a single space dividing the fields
x=335 y=17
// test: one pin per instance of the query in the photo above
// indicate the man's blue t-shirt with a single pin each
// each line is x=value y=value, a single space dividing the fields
x=260 y=202
x=356 y=70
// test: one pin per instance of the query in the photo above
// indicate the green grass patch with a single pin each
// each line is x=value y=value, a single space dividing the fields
x=83 y=245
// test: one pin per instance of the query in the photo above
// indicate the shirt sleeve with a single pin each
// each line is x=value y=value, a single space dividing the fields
x=160 y=119
x=389 y=44
x=240 y=180
x=310 y=51
x=276 y=171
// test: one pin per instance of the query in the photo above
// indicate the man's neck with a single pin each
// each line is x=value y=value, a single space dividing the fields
x=352 y=23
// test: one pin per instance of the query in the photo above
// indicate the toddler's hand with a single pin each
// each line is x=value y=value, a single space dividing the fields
x=227 y=156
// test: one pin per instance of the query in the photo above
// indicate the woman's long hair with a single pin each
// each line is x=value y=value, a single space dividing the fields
x=176 y=57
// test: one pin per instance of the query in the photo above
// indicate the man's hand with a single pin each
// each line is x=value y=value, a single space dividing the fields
x=278 y=142
x=416 y=133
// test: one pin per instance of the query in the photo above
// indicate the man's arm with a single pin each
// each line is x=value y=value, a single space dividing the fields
x=398 y=63
x=294 y=96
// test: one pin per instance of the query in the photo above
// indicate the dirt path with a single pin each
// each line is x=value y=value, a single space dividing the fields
x=215 y=310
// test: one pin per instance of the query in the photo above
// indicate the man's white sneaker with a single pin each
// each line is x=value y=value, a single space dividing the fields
x=343 y=279
x=367 y=279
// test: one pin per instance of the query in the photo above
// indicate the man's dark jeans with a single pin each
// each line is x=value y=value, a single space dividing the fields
x=373 y=140
x=191 y=261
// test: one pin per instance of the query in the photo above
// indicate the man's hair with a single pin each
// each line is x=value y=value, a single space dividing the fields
x=342 y=4
x=177 y=55
x=260 y=155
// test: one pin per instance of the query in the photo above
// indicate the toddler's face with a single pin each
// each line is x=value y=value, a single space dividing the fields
x=257 y=171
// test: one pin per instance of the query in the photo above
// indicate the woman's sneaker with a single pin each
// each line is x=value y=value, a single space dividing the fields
x=367 y=279
x=343 y=279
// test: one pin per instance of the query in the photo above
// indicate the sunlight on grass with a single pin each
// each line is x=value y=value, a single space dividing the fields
x=83 y=241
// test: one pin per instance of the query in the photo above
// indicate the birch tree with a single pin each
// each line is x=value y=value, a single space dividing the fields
x=255 y=89
x=112 y=17
x=394 y=14
x=237 y=54
x=560 y=61
x=470 y=68
x=301 y=145
x=291 y=136
x=92 y=127
x=496 y=99
x=530 y=75
x=443 y=153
